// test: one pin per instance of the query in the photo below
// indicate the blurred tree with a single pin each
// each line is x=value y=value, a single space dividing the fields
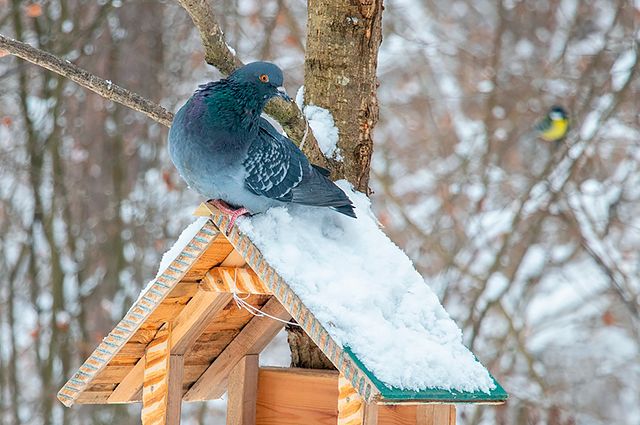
x=534 y=251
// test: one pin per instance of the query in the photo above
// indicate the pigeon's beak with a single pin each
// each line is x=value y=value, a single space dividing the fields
x=283 y=94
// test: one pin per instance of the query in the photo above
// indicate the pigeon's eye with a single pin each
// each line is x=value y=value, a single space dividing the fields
x=264 y=78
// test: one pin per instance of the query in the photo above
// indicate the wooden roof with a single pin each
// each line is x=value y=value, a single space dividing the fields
x=193 y=295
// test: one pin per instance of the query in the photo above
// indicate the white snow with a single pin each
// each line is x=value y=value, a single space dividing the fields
x=322 y=125
x=367 y=294
x=300 y=98
x=184 y=239
x=621 y=70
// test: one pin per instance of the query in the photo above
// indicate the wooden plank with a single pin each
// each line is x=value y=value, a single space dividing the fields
x=176 y=377
x=242 y=392
x=186 y=329
x=203 y=308
x=435 y=414
x=251 y=340
x=350 y=404
x=213 y=256
x=93 y=397
x=114 y=374
x=155 y=387
x=234 y=279
x=393 y=414
x=370 y=414
x=184 y=289
x=288 y=396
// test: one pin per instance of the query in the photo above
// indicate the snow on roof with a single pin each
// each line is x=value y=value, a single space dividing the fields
x=367 y=295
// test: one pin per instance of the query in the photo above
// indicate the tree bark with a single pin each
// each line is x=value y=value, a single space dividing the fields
x=340 y=75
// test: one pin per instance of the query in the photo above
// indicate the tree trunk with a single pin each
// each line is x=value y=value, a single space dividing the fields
x=340 y=75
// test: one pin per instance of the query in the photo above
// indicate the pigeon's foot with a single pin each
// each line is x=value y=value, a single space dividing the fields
x=233 y=213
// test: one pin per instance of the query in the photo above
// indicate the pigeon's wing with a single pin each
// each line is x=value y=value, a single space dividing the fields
x=277 y=169
x=273 y=166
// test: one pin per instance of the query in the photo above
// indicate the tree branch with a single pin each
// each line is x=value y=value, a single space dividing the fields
x=216 y=50
x=104 y=88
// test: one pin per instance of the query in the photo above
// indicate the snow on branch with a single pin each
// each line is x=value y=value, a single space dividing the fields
x=104 y=88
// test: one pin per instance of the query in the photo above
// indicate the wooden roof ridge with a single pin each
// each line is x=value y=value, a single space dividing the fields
x=152 y=296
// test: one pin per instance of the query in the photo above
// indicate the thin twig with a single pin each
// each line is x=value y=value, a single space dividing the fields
x=104 y=88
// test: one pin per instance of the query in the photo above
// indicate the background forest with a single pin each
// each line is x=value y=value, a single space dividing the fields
x=534 y=249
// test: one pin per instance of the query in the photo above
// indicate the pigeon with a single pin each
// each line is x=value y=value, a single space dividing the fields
x=226 y=151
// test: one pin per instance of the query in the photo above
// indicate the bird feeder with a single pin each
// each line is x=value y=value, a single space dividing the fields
x=185 y=339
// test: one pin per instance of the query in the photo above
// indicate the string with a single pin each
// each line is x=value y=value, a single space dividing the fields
x=241 y=303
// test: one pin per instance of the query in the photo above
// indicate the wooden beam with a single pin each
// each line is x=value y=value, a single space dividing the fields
x=160 y=382
x=350 y=404
x=436 y=414
x=176 y=377
x=242 y=392
x=370 y=414
x=187 y=327
x=289 y=396
x=234 y=279
x=251 y=340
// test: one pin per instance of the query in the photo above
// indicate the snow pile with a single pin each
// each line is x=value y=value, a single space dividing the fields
x=183 y=240
x=367 y=294
x=323 y=126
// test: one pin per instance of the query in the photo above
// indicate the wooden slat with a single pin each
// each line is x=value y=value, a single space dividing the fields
x=213 y=256
x=184 y=289
x=436 y=414
x=176 y=377
x=370 y=414
x=155 y=389
x=242 y=392
x=251 y=340
x=115 y=374
x=190 y=326
x=289 y=396
x=186 y=328
x=234 y=279
x=350 y=404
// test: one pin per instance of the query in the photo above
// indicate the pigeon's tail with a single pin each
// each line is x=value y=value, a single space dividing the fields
x=347 y=210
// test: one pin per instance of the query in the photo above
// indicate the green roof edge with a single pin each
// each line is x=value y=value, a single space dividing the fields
x=496 y=395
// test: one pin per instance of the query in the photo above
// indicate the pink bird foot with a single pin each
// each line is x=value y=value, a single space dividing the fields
x=233 y=213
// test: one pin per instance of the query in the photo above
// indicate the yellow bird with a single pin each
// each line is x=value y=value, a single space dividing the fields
x=554 y=126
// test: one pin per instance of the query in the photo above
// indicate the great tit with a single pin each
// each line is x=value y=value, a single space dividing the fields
x=554 y=126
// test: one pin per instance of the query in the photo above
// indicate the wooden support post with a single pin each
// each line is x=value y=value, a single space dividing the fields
x=162 y=386
x=176 y=377
x=436 y=414
x=370 y=414
x=242 y=392
x=351 y=406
